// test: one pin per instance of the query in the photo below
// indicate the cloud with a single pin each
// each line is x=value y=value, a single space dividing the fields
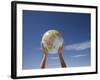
x=54 y=58
x=78 y=46
x=77 y=56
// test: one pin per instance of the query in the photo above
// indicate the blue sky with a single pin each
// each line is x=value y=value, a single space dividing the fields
x=75 y=29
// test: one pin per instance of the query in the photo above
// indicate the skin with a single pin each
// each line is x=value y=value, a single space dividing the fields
x=43 y=62
x=45 y=53
x=62 y=62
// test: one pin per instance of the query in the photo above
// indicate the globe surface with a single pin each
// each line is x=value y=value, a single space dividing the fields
x=52 y=40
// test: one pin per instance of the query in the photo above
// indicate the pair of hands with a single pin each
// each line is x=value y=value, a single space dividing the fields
x=45 y=53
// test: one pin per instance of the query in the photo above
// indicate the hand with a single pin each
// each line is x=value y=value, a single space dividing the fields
x=60 y=49
x=44 y=51
x=43 y=62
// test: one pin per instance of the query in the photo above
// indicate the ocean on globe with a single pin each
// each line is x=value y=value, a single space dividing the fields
x=52 y=40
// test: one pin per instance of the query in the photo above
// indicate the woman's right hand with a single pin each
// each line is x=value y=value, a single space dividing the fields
x=44 y=50
x=43 y=62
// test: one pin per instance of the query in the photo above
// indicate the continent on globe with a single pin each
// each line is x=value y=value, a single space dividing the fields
x=52 y=40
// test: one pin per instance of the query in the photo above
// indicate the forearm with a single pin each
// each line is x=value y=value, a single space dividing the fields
x=43 y=62
x=63 y=64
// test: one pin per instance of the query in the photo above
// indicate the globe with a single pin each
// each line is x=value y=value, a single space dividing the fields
x=52 y=40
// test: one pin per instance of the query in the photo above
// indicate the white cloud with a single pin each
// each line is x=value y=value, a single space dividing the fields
x=54 y=58
x=78 y=46
x=77 y=56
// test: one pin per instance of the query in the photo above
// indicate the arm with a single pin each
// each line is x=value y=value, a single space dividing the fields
x=63 y=64
x=43 y=62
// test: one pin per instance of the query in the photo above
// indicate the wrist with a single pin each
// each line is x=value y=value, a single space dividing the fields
x=60 y=55
x=45 y=56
